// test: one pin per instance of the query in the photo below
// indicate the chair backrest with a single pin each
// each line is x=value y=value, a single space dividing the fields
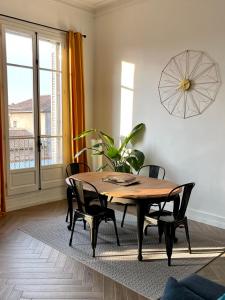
x=186 y=189
x=78 y=190
x=154 y=171
x=74 y=168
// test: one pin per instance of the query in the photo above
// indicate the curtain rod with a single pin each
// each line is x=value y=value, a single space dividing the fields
x=50 y=27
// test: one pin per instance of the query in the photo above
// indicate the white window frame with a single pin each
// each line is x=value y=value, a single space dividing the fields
x=49 y=175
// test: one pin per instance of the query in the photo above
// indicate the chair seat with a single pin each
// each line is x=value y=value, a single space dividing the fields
x=167 y=219
x=97 y=210
x=165 y=216
x=156 y=213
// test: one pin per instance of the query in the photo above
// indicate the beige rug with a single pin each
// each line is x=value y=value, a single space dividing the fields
x=120 y=263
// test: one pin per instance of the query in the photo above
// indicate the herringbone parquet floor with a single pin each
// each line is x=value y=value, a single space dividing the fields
x=30 y=269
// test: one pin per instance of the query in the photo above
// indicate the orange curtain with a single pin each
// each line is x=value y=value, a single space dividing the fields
x=77 y=98
x=2 y=174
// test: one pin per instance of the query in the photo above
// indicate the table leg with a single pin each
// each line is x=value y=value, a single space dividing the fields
x=176 y=206
x=70 y=206
x=141 y=210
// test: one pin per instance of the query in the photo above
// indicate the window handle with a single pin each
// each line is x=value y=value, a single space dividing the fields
x=39 y=144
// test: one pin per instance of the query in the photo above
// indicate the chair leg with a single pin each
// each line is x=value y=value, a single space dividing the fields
x=187 y=235
x=84 y=224
x=169 y=237
x=70 y=207
x=93 y=230
x=96 y=233
x=146 y=230
x=146 y=225
x=67 y=215
x=124 y=214
x=72 y=230
x=160 y=231
x=116 y=232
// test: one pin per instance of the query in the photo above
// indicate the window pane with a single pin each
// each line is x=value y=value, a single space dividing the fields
x=50 y=55
x=51 y=152
x=50 y=103
x=19 y=49
x=21 y=117
x=21 y=153
x=20 y=100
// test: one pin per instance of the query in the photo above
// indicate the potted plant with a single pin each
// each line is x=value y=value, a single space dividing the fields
x=119 y=158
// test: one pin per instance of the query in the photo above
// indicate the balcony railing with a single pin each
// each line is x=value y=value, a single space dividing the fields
x=22 y=152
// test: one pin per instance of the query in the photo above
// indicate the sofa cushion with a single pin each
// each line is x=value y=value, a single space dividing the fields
x=203 y=287
x=222 y=297
x=176 y=291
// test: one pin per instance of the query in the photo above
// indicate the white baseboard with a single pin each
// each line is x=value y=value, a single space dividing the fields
x=207 y=218
x=35 y=198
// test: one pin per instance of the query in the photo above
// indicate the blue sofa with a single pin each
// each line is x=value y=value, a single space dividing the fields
x=193 y=287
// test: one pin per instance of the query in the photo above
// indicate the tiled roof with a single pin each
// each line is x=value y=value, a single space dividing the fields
x=27 y=105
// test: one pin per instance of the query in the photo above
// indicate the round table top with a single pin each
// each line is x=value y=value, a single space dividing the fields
x=144 y=188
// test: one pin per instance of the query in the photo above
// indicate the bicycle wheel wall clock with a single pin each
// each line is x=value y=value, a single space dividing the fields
x=189 y=84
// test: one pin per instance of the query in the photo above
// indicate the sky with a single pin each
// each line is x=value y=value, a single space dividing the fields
x=20 y=80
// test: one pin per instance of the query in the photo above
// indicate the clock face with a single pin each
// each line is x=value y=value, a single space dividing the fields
x=189 y=84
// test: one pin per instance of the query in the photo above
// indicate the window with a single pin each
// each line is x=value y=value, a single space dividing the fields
x=50 y=102
x=33 y=89
x=20 y=96
x=21 y=102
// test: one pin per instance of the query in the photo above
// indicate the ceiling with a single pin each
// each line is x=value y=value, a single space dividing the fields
x=90 y=5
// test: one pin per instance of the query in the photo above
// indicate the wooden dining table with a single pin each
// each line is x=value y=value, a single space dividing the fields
x=142 y=193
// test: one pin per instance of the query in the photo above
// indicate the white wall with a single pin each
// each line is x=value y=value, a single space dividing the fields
x=148 y=34
x=52 y=13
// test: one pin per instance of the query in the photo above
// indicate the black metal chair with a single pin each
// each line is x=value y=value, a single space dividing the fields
x=72 y=169
x=93 y=214
x=154 y=171
x=76 y=167
x=168 y=221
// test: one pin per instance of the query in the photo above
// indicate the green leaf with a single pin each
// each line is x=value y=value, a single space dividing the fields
x=124 y=168
x=113 y=153
x=133 y=162
x=98 y=145
x=85 y=149
x=84 y=134
x=139 y=155
x=137 y=130
x=97 y=152
x=132 y=135
x=80 y=152
x=136 y=159
x=108 y=139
